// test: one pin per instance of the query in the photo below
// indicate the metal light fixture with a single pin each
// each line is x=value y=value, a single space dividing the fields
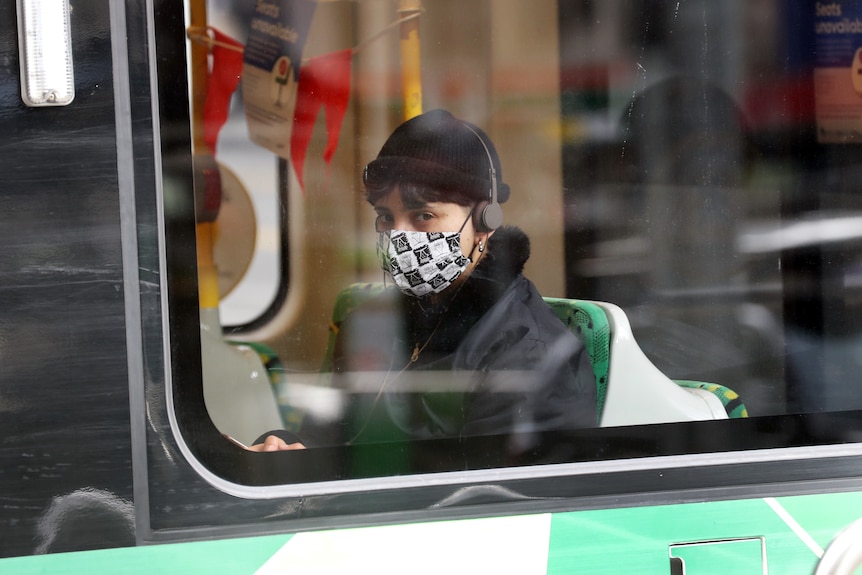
x=45 y=52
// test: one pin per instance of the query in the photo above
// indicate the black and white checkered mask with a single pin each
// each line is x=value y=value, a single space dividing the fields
x=421 y=263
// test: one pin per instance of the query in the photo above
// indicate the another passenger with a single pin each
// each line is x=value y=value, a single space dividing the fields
x=462 y=306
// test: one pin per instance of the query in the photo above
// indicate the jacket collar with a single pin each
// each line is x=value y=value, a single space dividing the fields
x=504 y=259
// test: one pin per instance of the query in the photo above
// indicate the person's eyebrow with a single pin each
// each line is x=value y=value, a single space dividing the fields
x=416 y=205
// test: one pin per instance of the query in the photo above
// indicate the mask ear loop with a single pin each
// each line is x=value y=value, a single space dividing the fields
x=469 y=217
x=384 y=250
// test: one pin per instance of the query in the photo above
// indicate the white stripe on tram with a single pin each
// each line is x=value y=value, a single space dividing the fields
x=499 y=545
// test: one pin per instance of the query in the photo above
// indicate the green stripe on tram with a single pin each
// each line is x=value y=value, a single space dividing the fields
x=637 y=540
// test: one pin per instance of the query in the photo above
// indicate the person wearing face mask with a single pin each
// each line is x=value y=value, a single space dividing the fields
x=463 y=314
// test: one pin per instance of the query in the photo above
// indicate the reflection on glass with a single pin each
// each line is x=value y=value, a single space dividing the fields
x=664 y=163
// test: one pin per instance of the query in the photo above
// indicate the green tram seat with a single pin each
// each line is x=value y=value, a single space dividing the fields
x=630 y=390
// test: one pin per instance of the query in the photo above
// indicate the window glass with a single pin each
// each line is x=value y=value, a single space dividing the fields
x=680 y=176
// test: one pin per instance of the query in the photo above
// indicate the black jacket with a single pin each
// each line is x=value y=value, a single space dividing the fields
x=493 y=359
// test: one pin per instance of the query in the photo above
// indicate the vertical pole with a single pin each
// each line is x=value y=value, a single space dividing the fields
x=411 y=61
x=199 y=66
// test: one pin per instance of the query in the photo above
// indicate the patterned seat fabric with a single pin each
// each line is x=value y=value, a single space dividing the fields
x=730 y=399
x=349 y=298
x=589 y=322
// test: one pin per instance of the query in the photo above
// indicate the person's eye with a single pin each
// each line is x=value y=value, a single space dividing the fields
x=425 y=217
x=383 y=222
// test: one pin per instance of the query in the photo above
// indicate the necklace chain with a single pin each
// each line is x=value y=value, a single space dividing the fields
x=414 y=357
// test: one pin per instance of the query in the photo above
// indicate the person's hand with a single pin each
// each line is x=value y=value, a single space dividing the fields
x=274 y=443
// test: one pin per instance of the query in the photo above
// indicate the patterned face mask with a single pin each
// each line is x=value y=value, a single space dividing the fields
x=421 y=263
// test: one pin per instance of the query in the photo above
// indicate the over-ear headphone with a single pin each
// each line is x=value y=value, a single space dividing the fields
x=487 y=215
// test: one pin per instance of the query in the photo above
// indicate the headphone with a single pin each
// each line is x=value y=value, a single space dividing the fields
x=487 y=215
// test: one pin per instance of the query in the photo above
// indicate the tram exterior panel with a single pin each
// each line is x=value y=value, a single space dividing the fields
x=106 y=440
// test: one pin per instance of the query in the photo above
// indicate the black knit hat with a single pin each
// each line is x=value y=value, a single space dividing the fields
x=440 y=151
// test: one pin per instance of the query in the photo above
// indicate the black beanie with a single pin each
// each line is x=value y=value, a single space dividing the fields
x=440 y=151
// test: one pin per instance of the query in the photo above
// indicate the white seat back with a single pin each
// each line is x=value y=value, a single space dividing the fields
x=638 y=392
x=237 y=391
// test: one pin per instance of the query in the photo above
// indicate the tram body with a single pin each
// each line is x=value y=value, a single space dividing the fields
x=138 y=329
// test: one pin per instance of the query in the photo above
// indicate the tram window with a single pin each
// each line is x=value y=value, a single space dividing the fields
x=692 y=163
